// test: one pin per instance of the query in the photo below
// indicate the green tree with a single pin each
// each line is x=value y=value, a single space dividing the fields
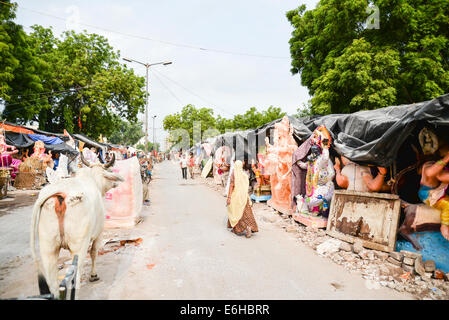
x=84 y=87
x=150 y=146
x=271 y=114
x=18 y=64
x=126 y=133
x=188 y=119
x=253 y=119
x=348 y=67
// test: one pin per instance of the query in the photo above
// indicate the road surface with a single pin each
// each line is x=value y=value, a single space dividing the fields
x=188 y=253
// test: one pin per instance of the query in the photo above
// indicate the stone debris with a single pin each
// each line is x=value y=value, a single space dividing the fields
x=366 y=254
x=381 y=255
x=394 y=261
x=419 y=266
x=398 y=256
x=409 y=254
x=357 y=247
x=403 y=271
x=408 y=268
x=429 y=266
x=344 y=246
x=329 y=246
x=408 y=261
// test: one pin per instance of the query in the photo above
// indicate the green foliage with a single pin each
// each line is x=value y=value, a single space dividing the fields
x=348 y=67
x=61 y=82
x=305 y=111
x=149 y=145
x=188 y=119
x=191 y=118
x=126 y=133
x=18 y=66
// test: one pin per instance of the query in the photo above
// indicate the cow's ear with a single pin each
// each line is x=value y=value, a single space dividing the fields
x=112 y=176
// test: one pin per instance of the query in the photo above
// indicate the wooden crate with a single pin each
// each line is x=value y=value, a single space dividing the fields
x=368 y=217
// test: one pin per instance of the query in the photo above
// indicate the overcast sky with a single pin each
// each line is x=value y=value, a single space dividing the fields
x=166 y=31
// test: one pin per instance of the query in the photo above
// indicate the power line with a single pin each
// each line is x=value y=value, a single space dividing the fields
x=193 y=93
x=47 y=96
x=168 y=89
x=156 y=40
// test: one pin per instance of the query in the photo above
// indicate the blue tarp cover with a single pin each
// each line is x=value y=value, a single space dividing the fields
x=45 y=139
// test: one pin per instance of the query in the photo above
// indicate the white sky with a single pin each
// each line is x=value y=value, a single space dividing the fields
x=228 y=83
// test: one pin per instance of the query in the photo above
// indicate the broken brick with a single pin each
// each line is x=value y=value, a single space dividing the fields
x=429 y=265
x=438 y=274
x=397 y=256
x=419 y=266
x=408 y=261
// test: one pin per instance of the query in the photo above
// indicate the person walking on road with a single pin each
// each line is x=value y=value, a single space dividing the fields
x=240 y=214
x=183 y=164
x=191 y=164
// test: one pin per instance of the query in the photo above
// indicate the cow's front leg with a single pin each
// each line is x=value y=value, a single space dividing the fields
x=93 y=255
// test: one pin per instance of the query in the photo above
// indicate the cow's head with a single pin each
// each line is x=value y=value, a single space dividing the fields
x=103 y=175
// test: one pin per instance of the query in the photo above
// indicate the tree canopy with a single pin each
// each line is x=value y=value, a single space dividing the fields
x=349 y=67
x=190 y=117
x=74 y=82
x=126 y=133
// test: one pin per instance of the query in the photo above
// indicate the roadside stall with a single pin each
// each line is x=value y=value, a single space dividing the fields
x=36 y=152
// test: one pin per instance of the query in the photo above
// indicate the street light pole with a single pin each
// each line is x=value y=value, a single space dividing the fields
x=146 y=116
x=154 y=141
x=147 y=66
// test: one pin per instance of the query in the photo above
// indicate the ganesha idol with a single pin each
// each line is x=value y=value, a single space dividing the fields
x=278 y=165
x=221 y=164
x=6 y=159
x=262 y=187
x=320 y=173
x=39 y=153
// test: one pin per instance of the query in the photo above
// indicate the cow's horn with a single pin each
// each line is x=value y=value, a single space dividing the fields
x=84 y=161
x=110 y=163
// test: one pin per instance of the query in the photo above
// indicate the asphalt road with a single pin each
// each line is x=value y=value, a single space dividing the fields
x=188 y=253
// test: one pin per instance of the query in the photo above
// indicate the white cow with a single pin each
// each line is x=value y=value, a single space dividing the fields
x=70 y=214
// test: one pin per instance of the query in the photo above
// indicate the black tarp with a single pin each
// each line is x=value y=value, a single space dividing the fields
x=37 y=131
x=22 y=140
x=372 y=136
x=88 y=141
x=238 y=142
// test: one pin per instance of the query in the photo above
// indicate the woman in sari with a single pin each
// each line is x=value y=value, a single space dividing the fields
x=240 y=214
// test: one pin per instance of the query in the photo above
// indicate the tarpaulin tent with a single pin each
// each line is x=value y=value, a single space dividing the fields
x=22 y=140
x=45 y=139
x=238 y=142
x=88 y=141
x=372 y=136
x=9 y=126
x=14 y=128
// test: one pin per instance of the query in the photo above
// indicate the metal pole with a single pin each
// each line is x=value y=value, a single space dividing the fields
x=154 y=142
x=146 y=116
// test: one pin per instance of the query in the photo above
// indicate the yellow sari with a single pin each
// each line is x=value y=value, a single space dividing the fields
x=239 y=196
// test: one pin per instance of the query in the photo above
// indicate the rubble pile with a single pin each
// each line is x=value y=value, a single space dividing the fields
x=402 y=271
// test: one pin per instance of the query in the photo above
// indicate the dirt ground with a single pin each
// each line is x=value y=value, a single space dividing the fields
x=17 y=199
